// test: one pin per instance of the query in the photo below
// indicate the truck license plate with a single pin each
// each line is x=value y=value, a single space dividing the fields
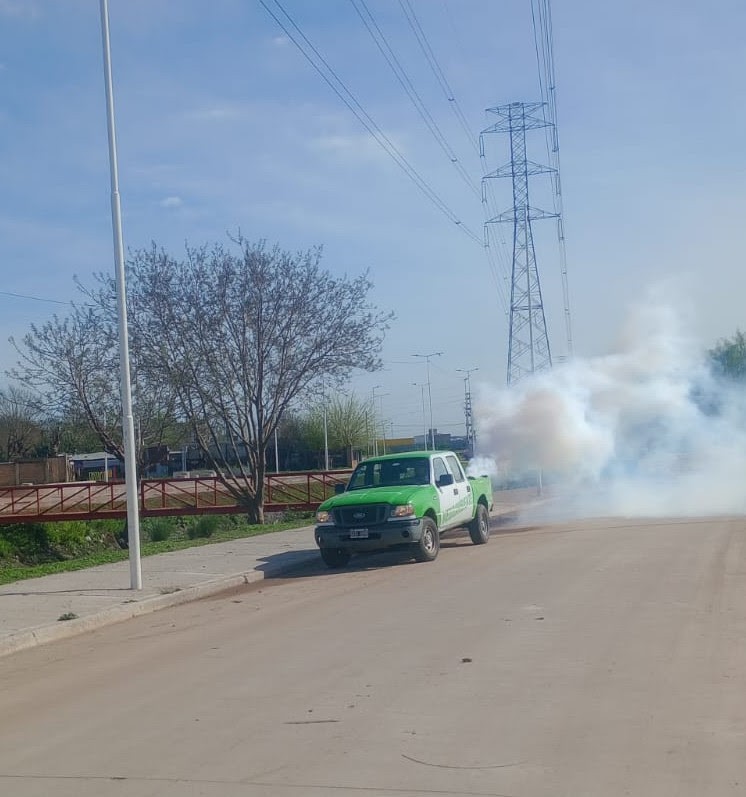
x=358 y=534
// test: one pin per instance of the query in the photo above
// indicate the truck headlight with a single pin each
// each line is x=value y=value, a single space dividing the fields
x=323 y=516
x=403 y=510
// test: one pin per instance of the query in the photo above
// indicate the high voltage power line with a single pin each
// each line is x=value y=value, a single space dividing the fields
x=332 y=79
x=498 y=270
x=541 y=19
x=34 y=298
x=379 y=37
x=498 y=264
x=432 y=61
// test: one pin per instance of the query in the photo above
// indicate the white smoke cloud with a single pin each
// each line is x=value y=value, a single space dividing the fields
x=643 y=432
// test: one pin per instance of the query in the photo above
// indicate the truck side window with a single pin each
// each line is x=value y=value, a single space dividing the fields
x=439 y=468
x=455 y=466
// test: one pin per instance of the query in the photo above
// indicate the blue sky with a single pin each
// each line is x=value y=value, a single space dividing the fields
x=222 y=124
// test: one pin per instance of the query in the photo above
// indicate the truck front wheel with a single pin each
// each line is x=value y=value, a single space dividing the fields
x=479 y=528
x=335 y=557
x=426 y=549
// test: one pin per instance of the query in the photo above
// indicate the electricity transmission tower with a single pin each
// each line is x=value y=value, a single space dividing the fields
x=528 y=348
x=471 y=437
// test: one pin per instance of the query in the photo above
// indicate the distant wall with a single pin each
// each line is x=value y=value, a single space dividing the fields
x=35 y=471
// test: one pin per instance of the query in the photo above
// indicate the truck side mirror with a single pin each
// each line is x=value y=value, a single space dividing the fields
x=445 y=480
x=339 y=488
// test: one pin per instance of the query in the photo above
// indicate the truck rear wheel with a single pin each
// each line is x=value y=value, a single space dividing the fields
x=426 y=549
x=335 y=557
x=479 y=528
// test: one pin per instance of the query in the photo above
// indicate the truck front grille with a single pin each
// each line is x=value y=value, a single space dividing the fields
x=353 y=516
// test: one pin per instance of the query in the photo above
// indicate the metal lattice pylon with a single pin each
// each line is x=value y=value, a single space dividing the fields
x=528 y=348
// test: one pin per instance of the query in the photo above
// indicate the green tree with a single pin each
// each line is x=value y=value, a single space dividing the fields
x=728 y=357
x=349 y=423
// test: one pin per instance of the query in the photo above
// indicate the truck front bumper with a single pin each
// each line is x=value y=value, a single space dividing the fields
x=392 y=534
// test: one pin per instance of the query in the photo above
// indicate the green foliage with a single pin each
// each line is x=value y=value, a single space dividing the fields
x=158 y=529
x=29 y=542
x=204 y=526
x=7 y=551
x=70 y=536
x=728 y=357
x=104 y=548
x=37 y=543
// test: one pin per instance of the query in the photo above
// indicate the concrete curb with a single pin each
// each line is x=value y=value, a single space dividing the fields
x=41 y=635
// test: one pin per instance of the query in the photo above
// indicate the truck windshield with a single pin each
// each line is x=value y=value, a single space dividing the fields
x=391 y=473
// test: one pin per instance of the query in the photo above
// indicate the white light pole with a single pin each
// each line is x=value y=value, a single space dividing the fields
x=421 y=386
x=128 y=426
x=375 y=425
x=429 y=393
x=326 y=431
x=383 y=423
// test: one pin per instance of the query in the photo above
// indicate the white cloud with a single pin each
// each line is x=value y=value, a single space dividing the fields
x=218 y=113
x=352 y=146
x=19 y=8
x=172 y=202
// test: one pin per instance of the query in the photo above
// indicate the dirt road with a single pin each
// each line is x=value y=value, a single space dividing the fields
x=603 y=657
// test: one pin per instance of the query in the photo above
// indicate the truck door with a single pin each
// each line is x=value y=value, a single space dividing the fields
x=464 y=506
x=449 y=494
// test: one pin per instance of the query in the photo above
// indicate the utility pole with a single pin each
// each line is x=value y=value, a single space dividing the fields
x=471 y=437
x=528 y=347
x=422 y=386
x=427 y=358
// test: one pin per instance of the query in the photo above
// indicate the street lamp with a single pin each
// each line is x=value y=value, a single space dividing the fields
x=326 y=430
x=422 y=386
x=373 y=419
x=128 y=424
x=427 y=357
x=383 y=423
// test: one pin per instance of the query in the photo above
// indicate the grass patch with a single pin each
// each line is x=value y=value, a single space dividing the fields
x=230 y=527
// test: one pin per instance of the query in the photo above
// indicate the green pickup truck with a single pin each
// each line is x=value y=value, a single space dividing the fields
x=403 y=501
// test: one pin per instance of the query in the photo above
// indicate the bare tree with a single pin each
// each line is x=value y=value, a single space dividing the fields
x=71 y=366
x=237 y=334
x=21 y=430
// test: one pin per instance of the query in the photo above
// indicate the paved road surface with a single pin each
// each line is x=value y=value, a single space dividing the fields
x=595 y=658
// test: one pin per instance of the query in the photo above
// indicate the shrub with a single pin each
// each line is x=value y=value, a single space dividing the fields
x=68 y=538
x=204 y=526
x=28 y=542
x=158 y=528
x=7 y=551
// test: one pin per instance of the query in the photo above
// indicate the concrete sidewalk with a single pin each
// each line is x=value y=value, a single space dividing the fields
x=30 y=610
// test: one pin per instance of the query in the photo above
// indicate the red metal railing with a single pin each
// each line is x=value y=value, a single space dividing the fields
x=89 y=500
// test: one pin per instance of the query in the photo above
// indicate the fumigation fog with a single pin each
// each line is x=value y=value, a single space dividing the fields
x=643 y=431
